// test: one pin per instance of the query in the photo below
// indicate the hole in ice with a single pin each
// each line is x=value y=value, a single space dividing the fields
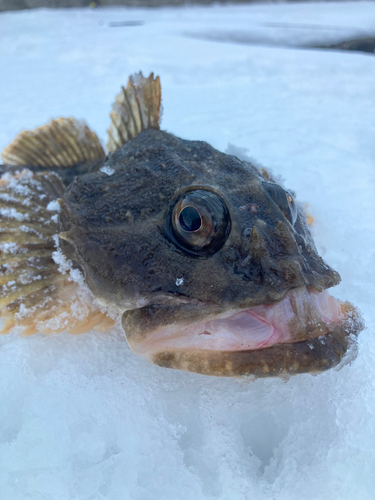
x=358 y=45
x=262 y=435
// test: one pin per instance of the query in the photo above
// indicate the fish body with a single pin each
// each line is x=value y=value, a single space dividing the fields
x=209 y=262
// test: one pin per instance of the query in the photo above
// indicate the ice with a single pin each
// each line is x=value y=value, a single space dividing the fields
x=82 y=417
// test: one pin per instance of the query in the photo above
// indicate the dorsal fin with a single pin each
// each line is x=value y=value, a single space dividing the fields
x=137 y=107
x=60 y=143
x=37 y=289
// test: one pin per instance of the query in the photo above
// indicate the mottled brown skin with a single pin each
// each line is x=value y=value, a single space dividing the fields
x=117 y=231
x=119 y=227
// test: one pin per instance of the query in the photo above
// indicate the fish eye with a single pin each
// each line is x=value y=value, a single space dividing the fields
x=190 y=219
x=200 y=222
x=283 y=199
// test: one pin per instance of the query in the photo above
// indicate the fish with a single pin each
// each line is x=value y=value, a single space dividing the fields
x=206 y=261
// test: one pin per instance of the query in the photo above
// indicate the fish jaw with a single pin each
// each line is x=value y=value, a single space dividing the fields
x=306 y=331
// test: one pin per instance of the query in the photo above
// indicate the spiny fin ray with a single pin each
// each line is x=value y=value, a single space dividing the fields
x=137 y=107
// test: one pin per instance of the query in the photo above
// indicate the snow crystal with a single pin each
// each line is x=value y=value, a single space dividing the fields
x=75 y=275
x=18 y=185
x=59 y=258
x=82 y=417
x=9 y=247
x=107 y=170
x=53 y=206
x=8 y=197
x=11 y=213
x=27 y=229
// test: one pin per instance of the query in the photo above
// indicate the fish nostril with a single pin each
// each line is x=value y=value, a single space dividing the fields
x=255 y=246
x=246 y=232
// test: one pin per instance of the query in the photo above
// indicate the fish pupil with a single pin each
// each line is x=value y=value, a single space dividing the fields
x=190 y=220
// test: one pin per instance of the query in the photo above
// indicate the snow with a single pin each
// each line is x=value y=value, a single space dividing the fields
x=81 y=417
x=53 y=206
x=66 y=267
x=107 y=170
x=11 y=213
x=8 y=247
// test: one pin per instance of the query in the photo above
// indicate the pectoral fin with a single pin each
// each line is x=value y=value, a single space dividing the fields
x=37 y=292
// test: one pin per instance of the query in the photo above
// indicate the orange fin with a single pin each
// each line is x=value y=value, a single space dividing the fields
x=37 y=293
x=309 y=218
x=267 y=175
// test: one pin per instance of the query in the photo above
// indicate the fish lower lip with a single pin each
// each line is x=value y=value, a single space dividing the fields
x=305 y=331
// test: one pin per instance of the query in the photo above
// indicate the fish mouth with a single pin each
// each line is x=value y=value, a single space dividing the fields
x=306 y=331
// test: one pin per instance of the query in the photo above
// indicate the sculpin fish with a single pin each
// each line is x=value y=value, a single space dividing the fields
x=207 y=260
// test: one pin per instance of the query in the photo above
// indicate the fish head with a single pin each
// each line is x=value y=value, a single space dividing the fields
x=210 y=263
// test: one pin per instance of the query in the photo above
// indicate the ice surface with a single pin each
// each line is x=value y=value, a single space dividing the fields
x=81 y=417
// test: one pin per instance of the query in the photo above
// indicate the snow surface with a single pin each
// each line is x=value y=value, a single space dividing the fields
x=83 y=418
